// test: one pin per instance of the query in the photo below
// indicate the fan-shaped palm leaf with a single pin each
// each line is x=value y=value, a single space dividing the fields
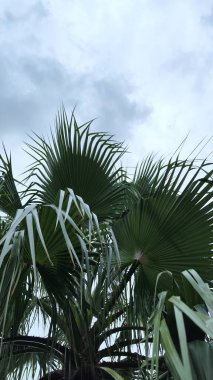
x=169 y=227
x=81 y=160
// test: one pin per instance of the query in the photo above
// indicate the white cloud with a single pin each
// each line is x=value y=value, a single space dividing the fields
x=144 y=68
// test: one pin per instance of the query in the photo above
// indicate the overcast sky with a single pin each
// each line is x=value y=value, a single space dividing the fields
x=143 y=68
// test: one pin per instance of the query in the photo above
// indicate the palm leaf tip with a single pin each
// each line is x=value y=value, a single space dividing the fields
x=10 y=199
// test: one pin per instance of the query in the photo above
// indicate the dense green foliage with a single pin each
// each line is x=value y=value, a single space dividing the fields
x=103 y=260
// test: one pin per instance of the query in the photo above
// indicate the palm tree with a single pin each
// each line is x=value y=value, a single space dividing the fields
x=83 y=249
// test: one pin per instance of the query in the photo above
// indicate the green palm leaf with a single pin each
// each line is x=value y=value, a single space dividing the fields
x=81 y=160
x=169 y=227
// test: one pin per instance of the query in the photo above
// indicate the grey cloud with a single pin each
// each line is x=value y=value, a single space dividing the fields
x=192 y=65
x=184 y=61
x=208 y=19
x=32 y=90
x=37 y=10
x=118 y=113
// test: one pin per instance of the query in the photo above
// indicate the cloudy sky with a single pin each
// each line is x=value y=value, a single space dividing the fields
x=143 y=68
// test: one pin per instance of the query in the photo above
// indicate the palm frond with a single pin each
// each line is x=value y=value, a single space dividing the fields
x=170 y=227
x=81 y=160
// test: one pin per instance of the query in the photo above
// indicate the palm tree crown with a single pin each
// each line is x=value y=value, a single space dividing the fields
x=85 y=250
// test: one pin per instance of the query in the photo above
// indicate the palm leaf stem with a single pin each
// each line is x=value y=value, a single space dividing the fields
x=118 y=290
x=37 y=343
x=111 y=349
